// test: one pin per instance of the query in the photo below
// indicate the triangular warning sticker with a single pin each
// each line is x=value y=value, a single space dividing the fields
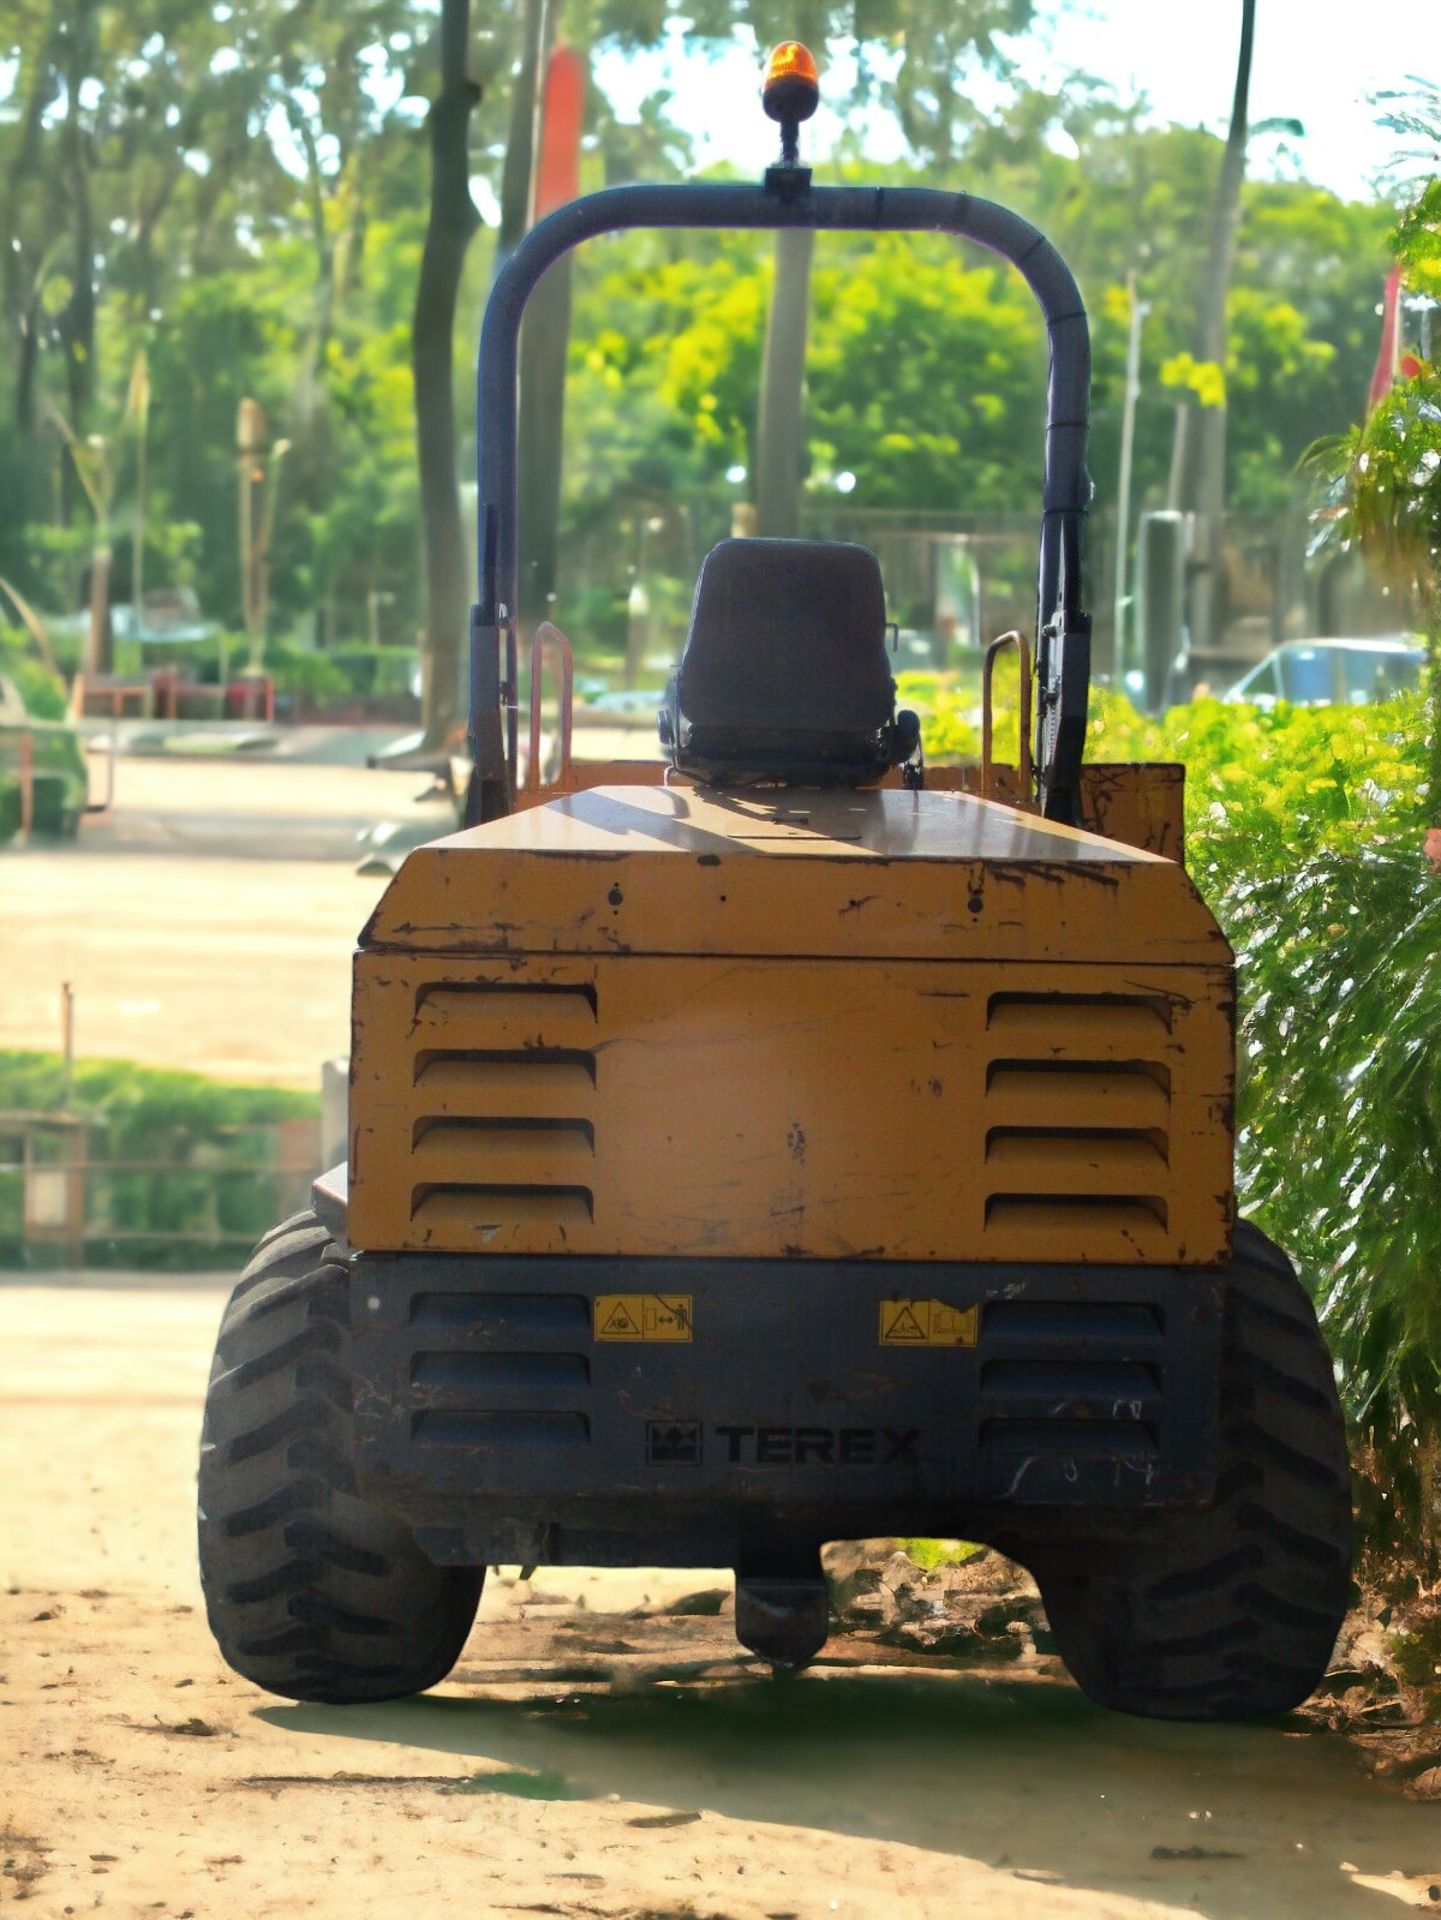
x=618 y=1322
x=904 y=1325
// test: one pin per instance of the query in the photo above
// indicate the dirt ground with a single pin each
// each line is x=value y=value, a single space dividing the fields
x=595 y=1754
x=208 y=923
x=601 y=1749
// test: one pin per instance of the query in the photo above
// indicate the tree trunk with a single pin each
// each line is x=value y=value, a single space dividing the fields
x=1198 y=459
x=324 y=295
x=77 y=322
x=24 y=166
x=97 y=645
x=453 y=219
x=28 y=359
x=519 y=168
x=780 y=431
x=150 y=216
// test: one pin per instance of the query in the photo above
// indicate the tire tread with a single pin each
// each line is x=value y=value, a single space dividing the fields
x=312 y=1592
x=1230 y=1612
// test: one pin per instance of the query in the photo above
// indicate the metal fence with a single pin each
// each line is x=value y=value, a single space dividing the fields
x=65 y=1200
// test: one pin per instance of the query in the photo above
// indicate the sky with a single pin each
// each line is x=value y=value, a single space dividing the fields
x=1315 y=61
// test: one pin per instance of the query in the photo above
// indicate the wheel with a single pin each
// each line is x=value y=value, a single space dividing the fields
x=311 y=1592
x=1230 y=1613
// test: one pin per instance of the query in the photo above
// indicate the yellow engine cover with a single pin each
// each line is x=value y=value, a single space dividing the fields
x=824 y=1025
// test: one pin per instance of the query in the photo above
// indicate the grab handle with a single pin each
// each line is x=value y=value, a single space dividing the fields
x=548 y=631
x=1024 y=765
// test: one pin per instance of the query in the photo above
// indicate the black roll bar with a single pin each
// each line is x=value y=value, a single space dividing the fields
x=787 y=200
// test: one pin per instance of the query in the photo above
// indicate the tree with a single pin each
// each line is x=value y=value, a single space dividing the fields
x=1383 y=477
x=258 y=203
x=780 y=422
x=453 y=219
x=1198 y=460
x=937 y=40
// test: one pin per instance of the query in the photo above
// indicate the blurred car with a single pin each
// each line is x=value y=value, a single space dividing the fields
x=641 y=700
x=166 y=616
x=1333 y=673
x=61 y=777
x=919 y=650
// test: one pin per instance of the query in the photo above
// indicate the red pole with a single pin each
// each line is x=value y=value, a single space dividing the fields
x=1388 y=354
x=563 y=108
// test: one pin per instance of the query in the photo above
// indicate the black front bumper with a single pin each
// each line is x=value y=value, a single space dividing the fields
x=726 y=1407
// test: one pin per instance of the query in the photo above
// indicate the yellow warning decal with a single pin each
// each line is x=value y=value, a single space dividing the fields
x=928 y=1323
x=643 y=1316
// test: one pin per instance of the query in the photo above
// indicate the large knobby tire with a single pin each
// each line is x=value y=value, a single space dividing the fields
x=1232 y=1612
x=312 y=1592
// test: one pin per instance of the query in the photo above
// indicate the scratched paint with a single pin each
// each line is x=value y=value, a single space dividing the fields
x=660 y=1021
x=648 y=1105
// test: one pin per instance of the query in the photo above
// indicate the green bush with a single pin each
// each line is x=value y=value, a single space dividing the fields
x=354 y=671
x=42 y=691
x=596 y=620
x=303 y=674
x=1339 y=1140
x=1277 y=787
x=928 y=1555
x=206 y=1198
x=381 y=673
x=1303 y=831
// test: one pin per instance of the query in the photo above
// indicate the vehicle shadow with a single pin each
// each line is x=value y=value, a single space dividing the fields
x=1229 y=1822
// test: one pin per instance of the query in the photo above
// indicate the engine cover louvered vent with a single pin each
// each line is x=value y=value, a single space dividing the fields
x=503 y=1136
x=1078 y=1122
x=748 y=1108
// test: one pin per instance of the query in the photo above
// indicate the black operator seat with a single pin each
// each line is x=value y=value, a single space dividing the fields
x=784 y=676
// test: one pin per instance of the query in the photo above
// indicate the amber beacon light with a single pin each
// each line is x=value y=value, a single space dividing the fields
x=791 y=91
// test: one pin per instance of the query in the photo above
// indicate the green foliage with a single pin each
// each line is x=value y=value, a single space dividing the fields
x=1418 y=238
x=1415 y=114
x=1380 y=482
x=42 y=691
x=140 y=1104
x=1385 y=490
x=930 y=1554
x=926 y=369
x=1339 y=1148
x=1203 y=378
x=664 y=360
x=211 y=1137
x=1282 y=784
x=1304 y=829
x=305 y=674
x=356 y=670
x=382 y=673
x=925 y=375
x=262 y=236
x=1139 y=197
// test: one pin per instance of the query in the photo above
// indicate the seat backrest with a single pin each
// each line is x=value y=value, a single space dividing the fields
x=787 y=634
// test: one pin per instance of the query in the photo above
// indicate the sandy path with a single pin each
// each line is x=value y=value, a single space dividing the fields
x=586 y=1759
x=208 y=924
x=240 y=970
